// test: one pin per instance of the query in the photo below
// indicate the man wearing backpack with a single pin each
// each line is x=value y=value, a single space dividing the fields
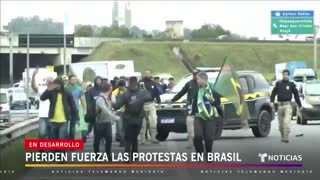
x=207 y=110
x=93 y=93
x=133 y=100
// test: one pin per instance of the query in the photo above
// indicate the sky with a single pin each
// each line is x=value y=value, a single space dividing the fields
x=248 y=18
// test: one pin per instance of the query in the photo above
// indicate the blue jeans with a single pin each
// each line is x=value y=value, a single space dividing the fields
x=72 y=130
x=119 y=127
x=44 y=128
x=59 y=130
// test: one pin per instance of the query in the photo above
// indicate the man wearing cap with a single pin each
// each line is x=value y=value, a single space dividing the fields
x=191 y=88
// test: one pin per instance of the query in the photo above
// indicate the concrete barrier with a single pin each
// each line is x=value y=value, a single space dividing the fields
x=18 y=130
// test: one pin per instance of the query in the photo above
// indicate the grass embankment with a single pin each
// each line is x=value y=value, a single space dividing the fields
x=12 y=157
x=159 y=57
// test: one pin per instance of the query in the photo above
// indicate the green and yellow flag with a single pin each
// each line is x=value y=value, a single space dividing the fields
x=228 y=86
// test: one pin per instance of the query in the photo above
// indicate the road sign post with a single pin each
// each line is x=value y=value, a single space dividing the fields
x=315 y=66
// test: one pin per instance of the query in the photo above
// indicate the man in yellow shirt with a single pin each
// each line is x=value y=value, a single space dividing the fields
x=121 y=88
x=62 y=109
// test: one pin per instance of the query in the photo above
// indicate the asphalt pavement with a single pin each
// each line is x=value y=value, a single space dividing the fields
x=304 y=141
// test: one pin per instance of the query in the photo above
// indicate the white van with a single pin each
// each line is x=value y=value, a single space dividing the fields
x=4 y=105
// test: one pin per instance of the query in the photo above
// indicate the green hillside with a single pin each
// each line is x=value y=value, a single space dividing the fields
x=159 y=57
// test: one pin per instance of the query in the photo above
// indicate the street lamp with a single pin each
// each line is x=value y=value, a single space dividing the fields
x=11 y=58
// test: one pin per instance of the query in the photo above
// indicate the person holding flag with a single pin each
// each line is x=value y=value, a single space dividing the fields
x=207 y=110
x=228 y=86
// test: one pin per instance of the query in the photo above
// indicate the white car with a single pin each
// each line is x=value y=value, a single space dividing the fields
x=310 y=100
x=4 y=105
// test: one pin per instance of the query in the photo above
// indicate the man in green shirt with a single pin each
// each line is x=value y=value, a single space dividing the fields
x=206 y=104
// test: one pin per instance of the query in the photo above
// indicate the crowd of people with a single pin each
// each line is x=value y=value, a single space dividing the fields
x=127 y=102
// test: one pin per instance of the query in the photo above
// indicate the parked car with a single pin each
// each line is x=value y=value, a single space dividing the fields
x=310 y=100
x=18 y=99
x=172 y=116
x=4 y=105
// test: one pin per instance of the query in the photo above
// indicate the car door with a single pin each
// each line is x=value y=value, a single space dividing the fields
x=229 y=109
x=251 y=97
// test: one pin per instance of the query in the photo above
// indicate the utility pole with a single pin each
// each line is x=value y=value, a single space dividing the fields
x=64 y=54
x=28 y=64
x=11 y=59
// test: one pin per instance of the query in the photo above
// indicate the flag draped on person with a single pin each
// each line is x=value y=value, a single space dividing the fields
x=228 y=86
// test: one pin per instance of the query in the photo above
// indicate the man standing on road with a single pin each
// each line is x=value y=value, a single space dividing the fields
x=93 y=93
x=62 y=109
x=206 y=107
x=284 y=90
x=133 y=100
x=44 y=124
x=116 y=93
x=77 y=95
x=150 y=108
x=191 y=88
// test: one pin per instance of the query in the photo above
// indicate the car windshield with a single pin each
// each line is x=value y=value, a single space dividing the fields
x=3 y=98
x=212 y=78
x=313 y=89
x=19 y=96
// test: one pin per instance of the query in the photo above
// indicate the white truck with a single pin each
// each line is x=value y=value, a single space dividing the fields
x=87 y=71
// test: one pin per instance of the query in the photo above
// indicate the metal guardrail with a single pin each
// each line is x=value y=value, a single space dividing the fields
x=18 y=130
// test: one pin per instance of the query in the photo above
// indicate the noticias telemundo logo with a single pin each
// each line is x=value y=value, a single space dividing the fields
x=265 y=157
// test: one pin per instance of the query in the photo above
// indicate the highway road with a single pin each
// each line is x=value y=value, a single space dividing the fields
x=242 y=141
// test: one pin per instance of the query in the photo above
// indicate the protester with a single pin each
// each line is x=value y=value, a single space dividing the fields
x=284 y=89
x=116 y=93
x=170 y=84
x=191 y=88
x=93 y=93
x=62 y=109
x=159 y=87
x=44 y=124
x=133 y=100
x=104 y=118
x=207 y=111
x=150 y=108
x=77 y=95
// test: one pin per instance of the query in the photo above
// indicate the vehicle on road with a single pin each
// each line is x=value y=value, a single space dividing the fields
x=4 y=105
x=310 y=100
x=172 y=116
x=18 y=99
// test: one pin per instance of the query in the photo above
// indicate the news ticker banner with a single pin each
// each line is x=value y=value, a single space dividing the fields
x=292 y=22
x=76 y=158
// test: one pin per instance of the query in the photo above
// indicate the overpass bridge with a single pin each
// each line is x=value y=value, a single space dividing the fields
x=44 y=50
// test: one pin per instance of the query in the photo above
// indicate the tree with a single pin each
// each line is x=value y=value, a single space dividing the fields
x=84 y=31
x=209 y=31
x=34 y=25
x=115 y=32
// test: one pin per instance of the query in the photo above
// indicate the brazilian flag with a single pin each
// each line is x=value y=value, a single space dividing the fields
x=228 y=86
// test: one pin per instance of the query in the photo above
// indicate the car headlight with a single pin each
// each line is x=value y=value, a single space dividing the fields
x=306 y=105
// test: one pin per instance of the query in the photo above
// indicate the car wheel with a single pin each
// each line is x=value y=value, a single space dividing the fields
x=304 y=121
x=219 y=128
x=263 y=124
x=162 y=134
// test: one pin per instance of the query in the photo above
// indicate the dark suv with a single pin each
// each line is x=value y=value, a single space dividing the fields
x=172 y=117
